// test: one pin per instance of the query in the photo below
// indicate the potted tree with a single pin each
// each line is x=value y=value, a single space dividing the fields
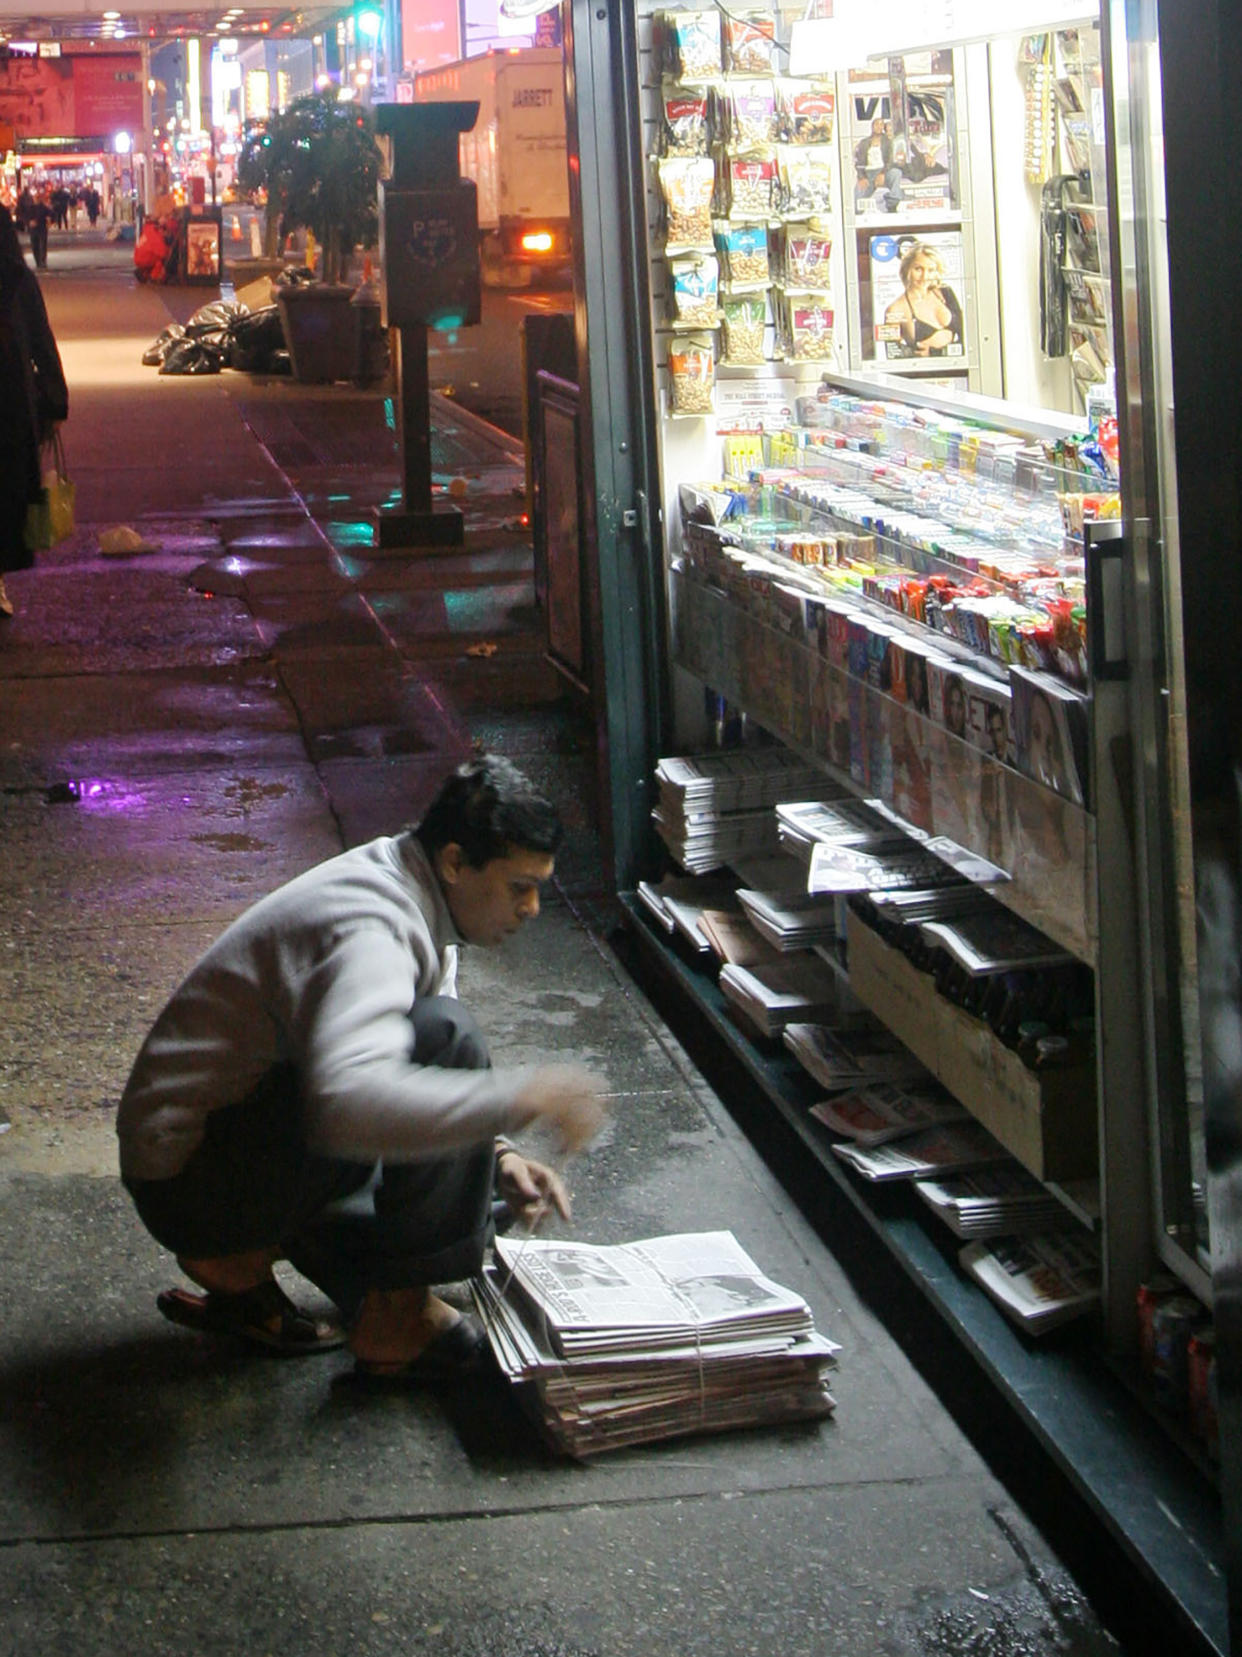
x=320 y=168
x=259 y=172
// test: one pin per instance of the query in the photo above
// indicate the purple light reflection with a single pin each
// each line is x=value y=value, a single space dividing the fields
x=100 y=795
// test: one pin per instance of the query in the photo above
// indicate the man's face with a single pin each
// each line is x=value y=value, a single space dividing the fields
x=491 y=903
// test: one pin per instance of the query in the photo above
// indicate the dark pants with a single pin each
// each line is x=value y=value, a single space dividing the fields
x=348 y=1226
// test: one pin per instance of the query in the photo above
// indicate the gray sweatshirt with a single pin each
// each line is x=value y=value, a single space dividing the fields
x=321 y=974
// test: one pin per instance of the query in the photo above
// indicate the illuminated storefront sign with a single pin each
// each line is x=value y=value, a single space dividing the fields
x=86 y=97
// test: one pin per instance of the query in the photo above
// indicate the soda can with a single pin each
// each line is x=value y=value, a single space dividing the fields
x=1173 y=1322
x=1161 y=1286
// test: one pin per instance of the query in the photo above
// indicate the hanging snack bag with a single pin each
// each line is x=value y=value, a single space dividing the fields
x=745 y=316
x=805 y=112
x=806 y=181
x=750 y=43
x=744 y=249
x=805 y=266
x=685 y=129
x=691 y=372
x=687 y=185
x=694 y=290
x=691 y=43
x=752 y=186
x=750 y=117
x=810 y=328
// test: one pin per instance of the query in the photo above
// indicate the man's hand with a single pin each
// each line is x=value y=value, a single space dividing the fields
x=529 y=1187
x=567 y=1099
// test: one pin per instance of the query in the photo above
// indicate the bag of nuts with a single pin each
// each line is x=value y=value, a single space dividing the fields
x=745 y=320
x=691 y=373
x=694 y=290
x=687 y=185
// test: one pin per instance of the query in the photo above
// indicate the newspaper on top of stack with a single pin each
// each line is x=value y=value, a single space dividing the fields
x=1038 y=1282
x=841 y=1060
x=677 y=903
x=738 y=779
x=622 y=1345
x=874 y=1115
x=992 y=1202
x=713 y=808
x=791 y=919
x=703 y=841
x=799 y=987
x=949 y=1148
x=801 y=824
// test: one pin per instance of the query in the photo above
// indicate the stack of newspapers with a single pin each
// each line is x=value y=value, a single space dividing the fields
x=713 y=808
x=623 y=1345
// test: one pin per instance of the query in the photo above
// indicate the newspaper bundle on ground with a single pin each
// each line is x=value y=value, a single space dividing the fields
x=993 y=940
x=677 y=903
x=792 y=920
x=710 y=840
x=993 y=1202
x=798 y=987
x=642 y=1341
x=738 y=779
x=1039 y=1281
x=837 y=868
x=844 y=1059
x=874 y=1115
x=944 y=1150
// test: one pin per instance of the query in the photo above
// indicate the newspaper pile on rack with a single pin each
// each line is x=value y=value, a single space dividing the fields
x=623 y=1345
x=714 y=808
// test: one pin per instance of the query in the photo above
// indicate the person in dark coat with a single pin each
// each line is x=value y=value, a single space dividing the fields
x=33 y=398
x=38 y=218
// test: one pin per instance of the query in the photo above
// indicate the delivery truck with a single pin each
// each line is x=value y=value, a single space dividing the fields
x=515 y=154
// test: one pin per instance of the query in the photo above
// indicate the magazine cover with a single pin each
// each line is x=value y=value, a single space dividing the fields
x=916 y=287
x=899 y=137
x=1050 y=733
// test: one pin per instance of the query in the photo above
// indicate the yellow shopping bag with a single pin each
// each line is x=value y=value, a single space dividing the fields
x=49 y=520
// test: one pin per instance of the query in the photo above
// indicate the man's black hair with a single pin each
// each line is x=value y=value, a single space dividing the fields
x=488 y=808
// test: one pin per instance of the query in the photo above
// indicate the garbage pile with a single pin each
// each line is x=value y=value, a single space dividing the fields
x=222 y=334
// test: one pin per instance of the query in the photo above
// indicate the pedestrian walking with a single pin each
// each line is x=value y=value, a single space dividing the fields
x=38 y=218
x=33 y=398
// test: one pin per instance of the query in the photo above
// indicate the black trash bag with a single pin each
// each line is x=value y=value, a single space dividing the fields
x=215 y=318
x=155 y=353
x=295 y=276
x=253 y=339
x=192 y=356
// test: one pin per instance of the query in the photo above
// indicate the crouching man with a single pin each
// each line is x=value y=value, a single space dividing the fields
x=315 y=1092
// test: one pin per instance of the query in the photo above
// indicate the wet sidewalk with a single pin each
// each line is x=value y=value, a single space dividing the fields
x=186 y=727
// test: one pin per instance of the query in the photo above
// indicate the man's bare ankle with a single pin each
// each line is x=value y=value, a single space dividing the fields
x=229 y=1274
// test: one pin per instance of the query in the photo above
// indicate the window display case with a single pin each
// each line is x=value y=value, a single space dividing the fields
x=907 y=321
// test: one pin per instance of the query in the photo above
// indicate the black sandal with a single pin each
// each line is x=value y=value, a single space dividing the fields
x=264 y=1316
x=460 y=1352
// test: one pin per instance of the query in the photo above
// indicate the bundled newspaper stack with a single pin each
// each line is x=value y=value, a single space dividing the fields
x=992 y=1202
x=738 y=779
x=713 y=808
x=623 y=1345
x=790 y=919
x=798 y=987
